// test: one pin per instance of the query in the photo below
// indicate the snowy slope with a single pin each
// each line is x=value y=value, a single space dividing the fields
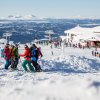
x=69 y=74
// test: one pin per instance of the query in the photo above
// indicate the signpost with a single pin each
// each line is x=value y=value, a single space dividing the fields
x=7 y=35
x=49 y=32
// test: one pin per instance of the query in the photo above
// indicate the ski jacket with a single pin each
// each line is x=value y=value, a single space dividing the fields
x=26 y=54
x=12 y=52
x=16 y=52
x=34 y=54
x=7 y=54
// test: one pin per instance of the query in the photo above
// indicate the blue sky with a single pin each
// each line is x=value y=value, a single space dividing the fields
x=51 y=8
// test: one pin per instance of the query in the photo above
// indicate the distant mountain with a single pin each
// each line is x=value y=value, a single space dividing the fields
x=31 y=17
x=11 y=17
x=18 y=17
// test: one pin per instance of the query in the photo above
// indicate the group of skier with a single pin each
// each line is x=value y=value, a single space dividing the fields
x=31 y=55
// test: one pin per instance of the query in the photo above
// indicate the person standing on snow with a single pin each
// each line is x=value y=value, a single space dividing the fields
x=16 y=54
x=7 y=56
x=2 y=52
x=27 y=60
x=35 y=53
x=12 y=48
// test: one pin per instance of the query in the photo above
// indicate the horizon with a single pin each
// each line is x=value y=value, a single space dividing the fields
x=51 y=8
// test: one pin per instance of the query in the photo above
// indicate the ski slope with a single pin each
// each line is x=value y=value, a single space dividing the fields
x=69 y=74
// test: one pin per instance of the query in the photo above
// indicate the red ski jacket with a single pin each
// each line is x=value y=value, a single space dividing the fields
x=26 y=54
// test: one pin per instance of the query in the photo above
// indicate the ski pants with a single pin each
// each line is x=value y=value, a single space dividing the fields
x=25 y=63
x=8 y=62
x=14 y=63
x=36 y=65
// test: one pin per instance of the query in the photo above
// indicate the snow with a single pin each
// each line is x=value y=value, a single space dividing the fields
x=79 y=30
x=63 y=37
x=69 y=74
x=87 y=37
x=97 y=29
x=3 y=41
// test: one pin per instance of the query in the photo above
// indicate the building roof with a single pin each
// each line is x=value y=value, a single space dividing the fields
x=96 y=29
x=79 y=30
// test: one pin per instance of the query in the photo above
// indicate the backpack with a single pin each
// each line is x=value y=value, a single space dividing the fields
x=35 y=53
x=39 y=52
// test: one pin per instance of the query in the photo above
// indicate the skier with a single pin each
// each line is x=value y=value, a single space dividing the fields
x=35 y=53
x=27 y=60
x=16 y=54
x=12 y=48
x=7 y=56
x=2 y=52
